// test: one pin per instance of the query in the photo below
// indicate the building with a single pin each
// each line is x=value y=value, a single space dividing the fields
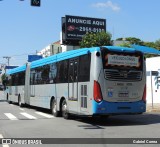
x=51 y=49
x=55 y=48
x=153 y=80
x=45 y=52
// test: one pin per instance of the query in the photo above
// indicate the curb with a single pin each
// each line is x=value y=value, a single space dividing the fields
x=153 y=110
x=153 y=107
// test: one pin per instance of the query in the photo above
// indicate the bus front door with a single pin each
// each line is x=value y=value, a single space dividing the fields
x=73 y=86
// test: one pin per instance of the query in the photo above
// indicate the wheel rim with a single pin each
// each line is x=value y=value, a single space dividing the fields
x=64 y=109
x=54 y=109
x=19 y=101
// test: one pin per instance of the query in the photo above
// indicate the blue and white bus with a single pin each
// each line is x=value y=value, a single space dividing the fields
x=90 y=81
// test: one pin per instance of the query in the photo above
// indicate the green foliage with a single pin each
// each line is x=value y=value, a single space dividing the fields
x=119 y=39
x=3 y=77
x=125 y=44
x=137 y=41
x=152 y=45
x=149 y=44
x=157 y=44
x=134 y=40
x=96 y=39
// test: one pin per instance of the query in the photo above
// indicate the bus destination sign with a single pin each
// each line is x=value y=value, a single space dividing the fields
x=121 y=60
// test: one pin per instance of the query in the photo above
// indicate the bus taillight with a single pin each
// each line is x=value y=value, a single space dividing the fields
x=97 y=92
x=144 y=94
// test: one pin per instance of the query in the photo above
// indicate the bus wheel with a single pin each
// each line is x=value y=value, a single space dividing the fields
x=19 y=101
x=54 y=108
x=10 y=102
x=7 y=97
x=65 y=113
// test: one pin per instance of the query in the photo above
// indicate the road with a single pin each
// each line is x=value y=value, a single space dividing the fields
x=31 y=122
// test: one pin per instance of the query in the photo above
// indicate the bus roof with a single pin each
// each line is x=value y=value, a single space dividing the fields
x=120 y=49
x=75 y=53
x=62 y=56
x=67 y=55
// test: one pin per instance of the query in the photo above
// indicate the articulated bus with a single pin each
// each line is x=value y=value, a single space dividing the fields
x=102 y=81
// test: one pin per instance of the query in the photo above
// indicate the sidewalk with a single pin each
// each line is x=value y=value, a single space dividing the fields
x=154 y=108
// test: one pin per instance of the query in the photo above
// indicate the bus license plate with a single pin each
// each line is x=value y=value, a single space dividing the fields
x=123 y=94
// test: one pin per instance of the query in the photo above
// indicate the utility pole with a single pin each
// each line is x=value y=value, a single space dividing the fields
x=8 y=58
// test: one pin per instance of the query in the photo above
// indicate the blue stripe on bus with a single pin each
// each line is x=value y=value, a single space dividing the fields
x=105 y=107
x=67 y=55
x=121 y=49
x=63 y=56
x=17 y=69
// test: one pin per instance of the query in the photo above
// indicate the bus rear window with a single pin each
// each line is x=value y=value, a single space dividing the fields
x=121 y=60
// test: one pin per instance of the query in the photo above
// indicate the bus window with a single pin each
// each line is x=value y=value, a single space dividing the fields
x=62 y=76
x=84 y=68
x=71 y=71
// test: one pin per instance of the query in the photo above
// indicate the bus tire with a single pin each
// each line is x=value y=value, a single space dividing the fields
x=7 y=97
x=65 y=113
x=54 y=108
x=9 y=102
x=19 y=101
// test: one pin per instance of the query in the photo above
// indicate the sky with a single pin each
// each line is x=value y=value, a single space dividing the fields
x=25 y=29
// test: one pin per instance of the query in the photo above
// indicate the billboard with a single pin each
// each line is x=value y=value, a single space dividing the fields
x=34 y=57
x=75 y=27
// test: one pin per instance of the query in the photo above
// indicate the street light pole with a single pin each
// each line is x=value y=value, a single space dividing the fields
x=8 y=58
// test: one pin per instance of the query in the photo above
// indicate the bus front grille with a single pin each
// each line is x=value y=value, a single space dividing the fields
x=123 y=75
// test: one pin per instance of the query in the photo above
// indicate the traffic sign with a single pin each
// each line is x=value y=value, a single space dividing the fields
x=36 y=3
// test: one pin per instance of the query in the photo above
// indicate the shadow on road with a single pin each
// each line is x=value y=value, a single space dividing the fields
x=120 y=120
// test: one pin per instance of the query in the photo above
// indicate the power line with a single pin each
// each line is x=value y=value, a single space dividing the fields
x=25 y=54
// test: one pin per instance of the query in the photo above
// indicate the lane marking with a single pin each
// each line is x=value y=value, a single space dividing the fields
x=44 y=114
x=5 y=145
x=28 y=115
x=11 y=116
x=1 y=136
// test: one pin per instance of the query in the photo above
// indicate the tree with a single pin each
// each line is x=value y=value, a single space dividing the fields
x=157 y=44
x=128 y=41
x=134 y=40
x=149 y=44
x=119 y=39
x=3 y=77
x=125 y=44
x=96 y=39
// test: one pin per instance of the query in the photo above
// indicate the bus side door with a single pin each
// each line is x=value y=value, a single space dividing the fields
x=73 y=85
